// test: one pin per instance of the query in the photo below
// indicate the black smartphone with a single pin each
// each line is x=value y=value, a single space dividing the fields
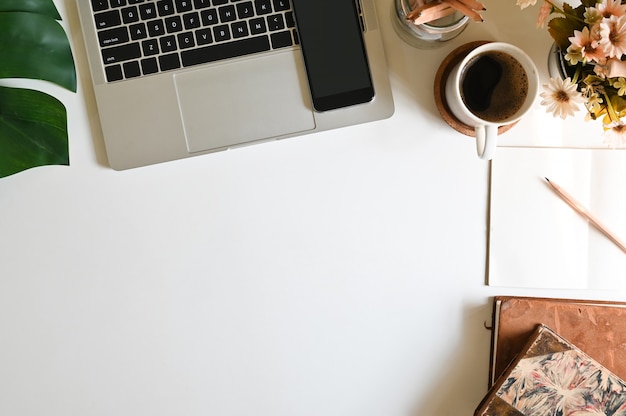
x=331 y=38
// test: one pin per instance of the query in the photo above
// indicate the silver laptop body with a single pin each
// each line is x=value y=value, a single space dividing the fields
x=151 y=112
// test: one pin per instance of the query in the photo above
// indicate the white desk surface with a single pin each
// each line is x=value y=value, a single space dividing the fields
x=337 y=274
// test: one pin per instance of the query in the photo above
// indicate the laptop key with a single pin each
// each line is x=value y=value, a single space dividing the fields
x=225 y=50
x=147 y=11
x=227 y=14
x=166 y=7
x=108 y=19
x=168 y=62
x=276 y=22
x=149 y=66
x=280 y=5
x=221 y=33
x=245 y=10
x=114 y=73
x=121 y=53
x=201 y=4
x=257 y=26
x=263 y=6
x=138 y=31
x=156 y=28
x=281 y=39
x=99 y=5
x=168 y=43
x=130 y=14
x=186 y=40
x=131 y=69
x=183 y=6
x=113 y=36
x=209 y=17
x=191 y=20
x=240 y=29
x=204 y=36
x=290 y=21
x=150 y=47
x=173 y=24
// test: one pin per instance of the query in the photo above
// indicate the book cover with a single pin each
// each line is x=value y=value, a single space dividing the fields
x=597 y=327
x=551 y=376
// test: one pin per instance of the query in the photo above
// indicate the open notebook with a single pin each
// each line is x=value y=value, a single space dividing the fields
x=536 y=239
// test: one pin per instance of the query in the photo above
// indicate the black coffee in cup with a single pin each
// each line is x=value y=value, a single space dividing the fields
x=494 y=86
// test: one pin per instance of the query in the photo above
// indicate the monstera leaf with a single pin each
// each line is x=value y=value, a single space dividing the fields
x=33 y=125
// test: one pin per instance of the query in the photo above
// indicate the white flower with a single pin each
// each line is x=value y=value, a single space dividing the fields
x=561 y=97
x=615 y=135
x=525 y=3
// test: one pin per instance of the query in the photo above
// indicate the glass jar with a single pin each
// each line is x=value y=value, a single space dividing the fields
x=426 y=35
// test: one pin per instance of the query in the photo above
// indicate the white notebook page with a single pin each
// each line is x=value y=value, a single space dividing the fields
x=537 y=240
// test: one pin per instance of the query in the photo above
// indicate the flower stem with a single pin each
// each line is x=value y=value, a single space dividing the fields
x=563 y=12
x=576 y=75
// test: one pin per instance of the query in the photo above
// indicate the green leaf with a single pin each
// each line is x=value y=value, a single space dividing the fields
x=35 y=46
x=588 y=3
x=561 y=29
x=45 y=7
x=33 y=130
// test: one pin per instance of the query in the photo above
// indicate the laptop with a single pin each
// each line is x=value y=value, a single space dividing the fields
x=181 y=78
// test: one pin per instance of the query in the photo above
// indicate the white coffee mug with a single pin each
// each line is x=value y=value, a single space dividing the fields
x=484 y=97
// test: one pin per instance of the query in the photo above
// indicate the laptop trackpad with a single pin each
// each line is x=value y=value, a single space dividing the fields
x=244 y=101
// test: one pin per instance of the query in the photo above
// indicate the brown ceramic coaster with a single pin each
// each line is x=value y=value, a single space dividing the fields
x=440 y=85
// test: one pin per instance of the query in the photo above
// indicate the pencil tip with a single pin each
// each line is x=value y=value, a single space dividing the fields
x=547 y=179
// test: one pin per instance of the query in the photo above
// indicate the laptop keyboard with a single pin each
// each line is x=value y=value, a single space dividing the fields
x=143 y=37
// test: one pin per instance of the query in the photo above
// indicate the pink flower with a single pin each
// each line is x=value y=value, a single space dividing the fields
x=544 y=12
x=584 y=45
x=613 y=36
x=610 y=8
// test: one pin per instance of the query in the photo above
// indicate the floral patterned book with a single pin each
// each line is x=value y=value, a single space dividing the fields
x=551 y=376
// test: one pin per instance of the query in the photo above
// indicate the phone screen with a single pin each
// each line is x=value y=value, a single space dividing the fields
x=331 y=39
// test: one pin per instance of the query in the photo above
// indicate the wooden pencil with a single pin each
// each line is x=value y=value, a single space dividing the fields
x=569 y=199
x=465 y=9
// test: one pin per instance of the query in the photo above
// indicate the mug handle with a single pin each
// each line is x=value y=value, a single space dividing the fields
x=486 y=137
